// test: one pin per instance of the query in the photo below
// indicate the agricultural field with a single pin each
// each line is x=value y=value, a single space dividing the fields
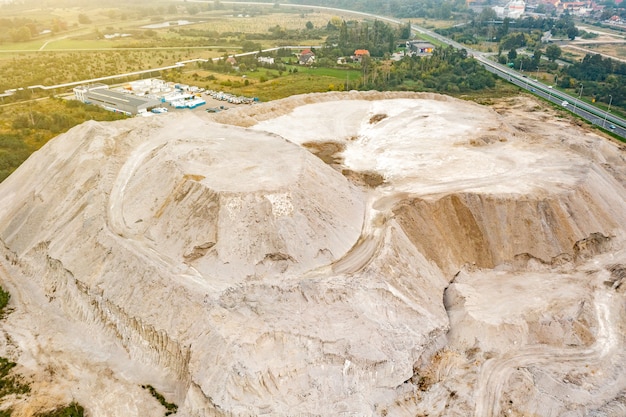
x=109 y=42
x=49 y=68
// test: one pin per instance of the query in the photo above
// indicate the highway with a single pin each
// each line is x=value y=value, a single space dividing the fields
x=573 y=104
x=592 y=114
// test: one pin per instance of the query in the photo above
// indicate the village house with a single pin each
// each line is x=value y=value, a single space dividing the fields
x=359 y=54
x=306 y=57
x=268 y=60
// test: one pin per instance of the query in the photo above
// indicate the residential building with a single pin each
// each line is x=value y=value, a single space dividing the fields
x=359 y=54
x=265 y=60
x=306 y=57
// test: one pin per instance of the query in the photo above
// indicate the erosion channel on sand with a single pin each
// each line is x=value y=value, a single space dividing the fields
x=355 y=254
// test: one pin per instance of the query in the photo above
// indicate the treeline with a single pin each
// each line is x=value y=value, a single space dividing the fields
x=527 y=31
x=447 y=70
x=600 y=78
x=594 y=67
x=245 y=63
x=21 y=29
x=377 y=37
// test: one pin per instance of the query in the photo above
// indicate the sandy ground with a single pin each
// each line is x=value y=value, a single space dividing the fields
x=439 y=258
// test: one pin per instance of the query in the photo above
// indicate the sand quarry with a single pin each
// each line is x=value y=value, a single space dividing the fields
x=340 y=254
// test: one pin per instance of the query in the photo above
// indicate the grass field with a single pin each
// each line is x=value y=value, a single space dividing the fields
x=261 y=23
x=432 y=23
x=618 y=50
x=270 y=85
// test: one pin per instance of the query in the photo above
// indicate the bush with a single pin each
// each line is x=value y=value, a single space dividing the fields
x=170 y=407
x=10 y=384
x=4 y=301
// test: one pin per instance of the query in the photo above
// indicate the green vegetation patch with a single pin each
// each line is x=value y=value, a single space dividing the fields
x=26 y=127
x=10 y=384
x=170 y=407
x=5 y=296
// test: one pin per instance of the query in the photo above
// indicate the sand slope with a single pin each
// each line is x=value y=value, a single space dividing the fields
x=438 y=257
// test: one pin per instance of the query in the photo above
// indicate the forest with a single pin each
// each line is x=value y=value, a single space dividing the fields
x=447 y=70
x=603 y=78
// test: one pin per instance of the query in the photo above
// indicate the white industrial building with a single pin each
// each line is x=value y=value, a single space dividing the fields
x=513 y=9
x=117 y=101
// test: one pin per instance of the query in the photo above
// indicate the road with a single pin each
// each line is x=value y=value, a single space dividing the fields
x=592 y=114
x=578 y=107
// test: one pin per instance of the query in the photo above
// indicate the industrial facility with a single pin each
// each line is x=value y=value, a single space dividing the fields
x=152 y=96
x=140 y=97
x=117 y=101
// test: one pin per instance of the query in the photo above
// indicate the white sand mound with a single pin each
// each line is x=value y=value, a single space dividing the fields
x=445 y=255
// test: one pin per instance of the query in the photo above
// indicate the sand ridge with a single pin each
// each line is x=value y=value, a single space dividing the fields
x=215 y=257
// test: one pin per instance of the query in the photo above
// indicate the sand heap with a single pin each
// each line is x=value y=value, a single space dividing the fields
x=435 y=257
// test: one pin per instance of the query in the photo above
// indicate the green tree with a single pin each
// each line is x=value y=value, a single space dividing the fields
x=553 y=52
x=405 y=31
x=309 y=25
x=572 y=32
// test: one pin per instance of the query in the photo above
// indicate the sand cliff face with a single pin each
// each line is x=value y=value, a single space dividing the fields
x=435 y=257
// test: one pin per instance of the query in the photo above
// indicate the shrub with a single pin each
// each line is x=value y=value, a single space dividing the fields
x=4 y=301
x=170 y=407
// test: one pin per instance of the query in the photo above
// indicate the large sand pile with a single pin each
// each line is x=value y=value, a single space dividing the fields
x=436 y=257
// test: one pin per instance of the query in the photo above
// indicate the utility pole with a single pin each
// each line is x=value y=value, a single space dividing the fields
x=579 y=96
x=607 y=112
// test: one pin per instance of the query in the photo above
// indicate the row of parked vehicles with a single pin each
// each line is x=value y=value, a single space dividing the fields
x=231 y=98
